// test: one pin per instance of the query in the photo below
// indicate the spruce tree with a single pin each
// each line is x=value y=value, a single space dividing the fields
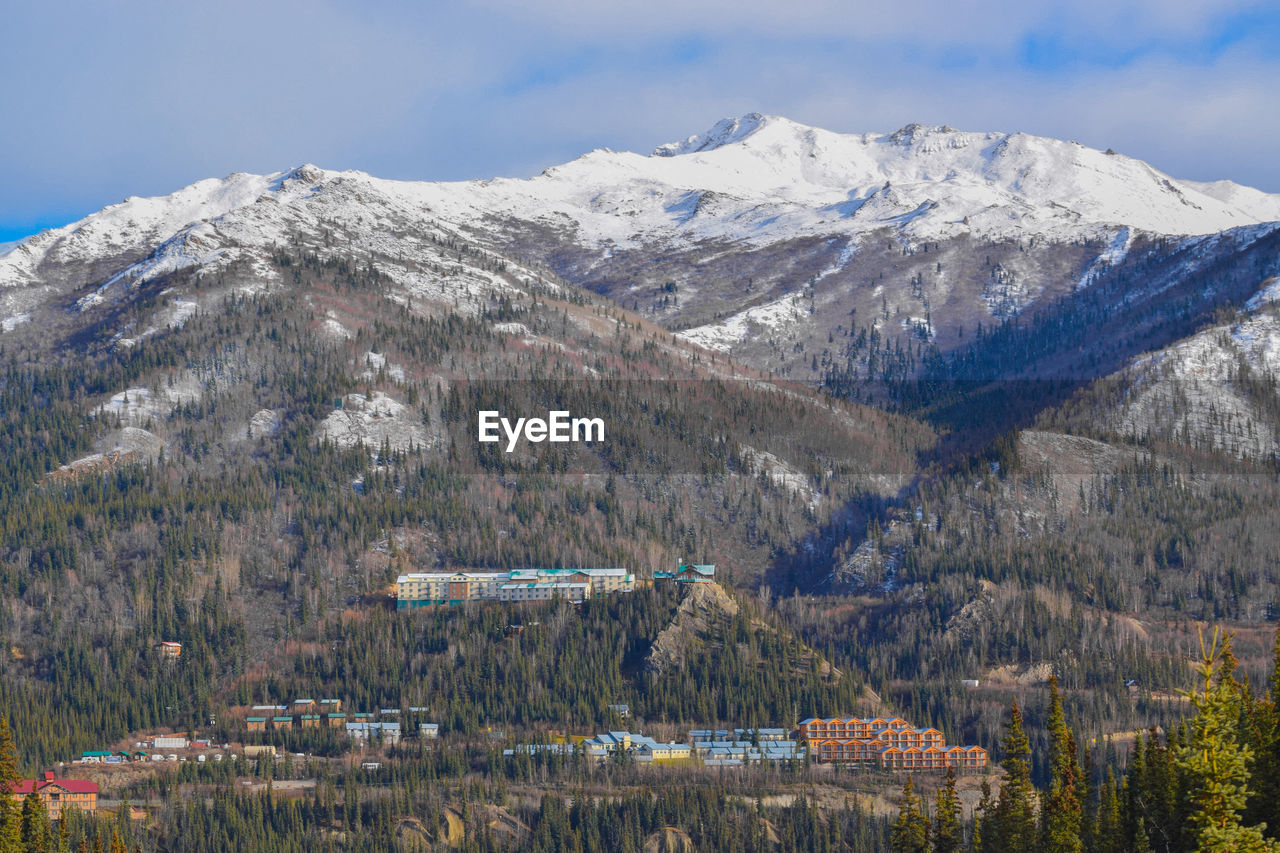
x=983 y=840
x=36 y=832
x=1109 y=832
x=911 y=830
x=1215 y=762
x=948 y=834
x=1014 y=824
x=1062 y=811
x=1264 y=737
x=10 y=811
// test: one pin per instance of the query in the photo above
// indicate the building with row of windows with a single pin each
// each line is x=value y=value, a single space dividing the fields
x=639 y=747
x=59 y=795
x=421 y=589
x=386 y=732
x=889 y=743
x=731 y=752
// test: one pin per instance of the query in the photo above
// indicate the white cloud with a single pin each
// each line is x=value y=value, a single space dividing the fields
x=141 y=97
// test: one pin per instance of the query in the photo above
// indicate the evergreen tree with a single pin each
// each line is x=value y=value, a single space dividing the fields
x=948 y=834
x=1264 y=736
x=1061 y=815
x=911 y=829
x=1014 y=824
x=1214 y=761
x=10 y=814
x=1141 y=840
x=36 y=832
x=984 y=834
x=1109 y=831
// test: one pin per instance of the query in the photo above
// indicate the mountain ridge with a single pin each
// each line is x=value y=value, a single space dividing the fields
x=794 y=249
x=863 y=169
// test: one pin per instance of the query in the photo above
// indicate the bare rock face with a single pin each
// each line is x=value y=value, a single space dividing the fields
x=703 y=605
x=669 y=839
x=122 y=447
x=264 y=422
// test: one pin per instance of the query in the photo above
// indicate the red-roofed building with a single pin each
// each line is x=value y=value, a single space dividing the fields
x=59 y=794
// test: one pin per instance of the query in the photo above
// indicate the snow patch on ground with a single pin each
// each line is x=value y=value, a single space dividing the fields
x=371 y=421
x=136 y=406
x=334 y=331
x=265 y=422
x=374 y=362
x=11 y=323
x=1190 y=392
x=127 y=445
x=180 y=311
x=762 y=319
x=1109 y=257
x=781 y=473
x=1269 y=292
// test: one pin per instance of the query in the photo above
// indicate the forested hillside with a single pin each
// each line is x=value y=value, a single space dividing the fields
x=1012 y=467
x=293 y=473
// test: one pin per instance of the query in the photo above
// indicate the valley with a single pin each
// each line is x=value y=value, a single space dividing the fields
x=953 y=413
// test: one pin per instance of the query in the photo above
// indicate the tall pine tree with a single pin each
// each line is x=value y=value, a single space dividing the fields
x=1061 y=816
x=948 y=833
x=10 y=810
x=911 y=829
x=1215 y=762
x=1014 y=824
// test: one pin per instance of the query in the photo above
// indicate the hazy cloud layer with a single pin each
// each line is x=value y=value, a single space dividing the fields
x=109 y=100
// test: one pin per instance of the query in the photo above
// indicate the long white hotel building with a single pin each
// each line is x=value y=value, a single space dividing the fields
x=420 y=589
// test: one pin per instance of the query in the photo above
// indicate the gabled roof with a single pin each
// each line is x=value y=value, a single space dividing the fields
x=72 y=786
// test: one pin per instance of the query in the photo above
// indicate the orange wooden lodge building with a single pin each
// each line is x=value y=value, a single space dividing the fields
x=60 y=794
x=889 y=743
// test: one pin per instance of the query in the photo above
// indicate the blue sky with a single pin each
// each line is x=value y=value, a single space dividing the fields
x=103 y=101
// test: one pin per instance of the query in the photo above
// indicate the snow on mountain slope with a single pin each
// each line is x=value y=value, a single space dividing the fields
x=763 y=178
x=758 y=184
x=773 y=315
x=213 y=225
x=1215 y=389
x=756 y=178
x=133 y=225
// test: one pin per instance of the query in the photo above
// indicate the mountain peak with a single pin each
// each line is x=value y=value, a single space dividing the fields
x=725 y=132
x=915 y=131
x=307 y=173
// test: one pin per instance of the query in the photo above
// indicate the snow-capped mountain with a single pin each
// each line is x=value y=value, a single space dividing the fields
x=775 y=241
x=764 y=178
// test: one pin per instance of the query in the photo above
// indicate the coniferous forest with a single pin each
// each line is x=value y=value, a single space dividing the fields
x=249 y=484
